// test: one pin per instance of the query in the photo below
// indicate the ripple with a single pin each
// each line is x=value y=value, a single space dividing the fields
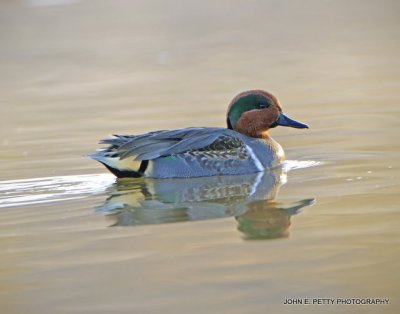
x=52 y=189
x=289 y=165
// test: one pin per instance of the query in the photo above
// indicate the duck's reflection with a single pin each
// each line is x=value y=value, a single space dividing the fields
x=248 y=198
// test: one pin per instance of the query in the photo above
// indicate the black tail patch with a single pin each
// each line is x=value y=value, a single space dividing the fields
x=129 y=173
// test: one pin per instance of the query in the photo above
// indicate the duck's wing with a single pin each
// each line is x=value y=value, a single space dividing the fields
x=212 y=142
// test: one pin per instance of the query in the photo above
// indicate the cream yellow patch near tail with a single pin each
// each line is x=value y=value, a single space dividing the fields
x=127 y=164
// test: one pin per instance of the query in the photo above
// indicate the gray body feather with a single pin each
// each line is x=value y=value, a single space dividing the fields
x=191 y=152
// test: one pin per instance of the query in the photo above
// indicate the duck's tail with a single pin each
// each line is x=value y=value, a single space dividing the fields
x=127 y=167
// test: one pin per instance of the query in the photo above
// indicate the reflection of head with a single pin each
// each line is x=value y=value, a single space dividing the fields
x=264 y=221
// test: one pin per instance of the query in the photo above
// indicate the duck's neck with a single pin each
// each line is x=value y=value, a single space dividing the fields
x=256 y=133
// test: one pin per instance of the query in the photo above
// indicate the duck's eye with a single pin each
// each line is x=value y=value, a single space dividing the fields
x=262 y=106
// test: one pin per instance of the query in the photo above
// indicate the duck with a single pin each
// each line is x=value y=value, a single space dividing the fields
x=243 y=147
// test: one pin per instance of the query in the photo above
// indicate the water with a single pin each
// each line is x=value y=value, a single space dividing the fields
x=75 y=240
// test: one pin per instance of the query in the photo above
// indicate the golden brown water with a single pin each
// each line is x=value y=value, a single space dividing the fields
x=73 y=240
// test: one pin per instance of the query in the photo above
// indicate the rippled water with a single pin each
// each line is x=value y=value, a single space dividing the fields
x=75 y=240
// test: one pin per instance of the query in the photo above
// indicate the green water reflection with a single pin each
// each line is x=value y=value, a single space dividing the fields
x=249 y=198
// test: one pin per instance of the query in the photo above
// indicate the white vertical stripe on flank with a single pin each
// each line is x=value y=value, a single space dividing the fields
x=256 y=161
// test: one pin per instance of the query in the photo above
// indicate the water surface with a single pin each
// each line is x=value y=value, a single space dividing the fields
x=75 y=240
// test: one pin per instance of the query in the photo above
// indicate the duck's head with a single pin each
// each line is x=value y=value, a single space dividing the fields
x=254 y=112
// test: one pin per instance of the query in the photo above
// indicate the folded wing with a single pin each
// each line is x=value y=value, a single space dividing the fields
x=216 y=142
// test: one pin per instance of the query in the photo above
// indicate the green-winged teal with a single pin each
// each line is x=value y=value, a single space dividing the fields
x=243 y=147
